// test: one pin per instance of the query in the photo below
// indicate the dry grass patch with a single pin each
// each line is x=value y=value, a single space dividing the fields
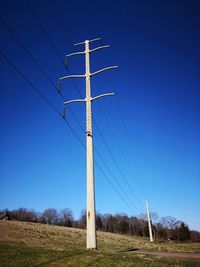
x=30 y=244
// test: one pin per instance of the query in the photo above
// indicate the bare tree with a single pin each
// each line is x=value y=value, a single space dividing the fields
x=169 y=224
x=122 y=223
x=99 y=222
x=142 y=219
x=50 y=216
x=195 y=236
x=154 y=217
x=66 y=217
x=167 y=228
x=82 y=220
x=26 y=215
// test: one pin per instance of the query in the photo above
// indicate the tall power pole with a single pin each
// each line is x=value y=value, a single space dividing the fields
x=149 y=221
x=91 y=213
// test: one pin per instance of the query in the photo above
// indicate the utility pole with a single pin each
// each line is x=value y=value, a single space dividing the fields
x=91 y=213
x=149 y=221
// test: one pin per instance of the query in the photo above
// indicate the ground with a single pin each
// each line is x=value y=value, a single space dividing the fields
x=32 y=244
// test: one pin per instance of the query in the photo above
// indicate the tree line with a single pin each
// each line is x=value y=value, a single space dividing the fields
x=165 y=228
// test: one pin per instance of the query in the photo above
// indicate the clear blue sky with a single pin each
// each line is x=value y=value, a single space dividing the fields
x=151 y=126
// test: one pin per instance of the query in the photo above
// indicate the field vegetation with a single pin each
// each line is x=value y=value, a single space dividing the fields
x=36 y=244
x=164 y=228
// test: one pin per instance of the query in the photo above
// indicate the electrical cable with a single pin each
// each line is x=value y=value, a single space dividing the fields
x=119 y=108
x=114 y=178
x=60 y=57
x=117 y=165
x=51 y=42
x=115 y=161
x=40 y=94
x=38 y=66
x=72 y=130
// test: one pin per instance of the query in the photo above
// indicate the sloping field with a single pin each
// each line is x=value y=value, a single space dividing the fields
x=31 y=244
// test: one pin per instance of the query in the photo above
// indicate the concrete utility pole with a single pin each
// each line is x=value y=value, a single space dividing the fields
x=149 y=221
x=91 y=213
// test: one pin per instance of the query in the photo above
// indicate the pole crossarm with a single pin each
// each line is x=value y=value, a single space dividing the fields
x=75 y=100
x=99 y=96
x=100 y=47
x=93 y=40
x=75 y=54
x=99 y=71
x=71 y=76
x=92 y=50
x=79 y=43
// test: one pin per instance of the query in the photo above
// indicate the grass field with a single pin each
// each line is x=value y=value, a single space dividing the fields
x=29 y=244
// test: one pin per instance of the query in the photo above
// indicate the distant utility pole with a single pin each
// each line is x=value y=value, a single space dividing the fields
x=149 y=221
x=91 y=213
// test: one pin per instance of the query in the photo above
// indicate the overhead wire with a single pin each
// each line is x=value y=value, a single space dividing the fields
x=131 y=147
x=114 y=159
x=37 y=65
x=128 y=138
x=122 y=198
x=44 y=32
x=138 y=176
x=60 y=58
x=117 y=165
x=46 y=75
x=51 y=43
x=40 y=94
x=23 y=76
x=114 y=178
x=42 y=70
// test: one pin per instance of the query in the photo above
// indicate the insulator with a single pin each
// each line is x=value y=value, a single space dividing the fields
x=65 y=63
x=59 y=86
x=63 y=113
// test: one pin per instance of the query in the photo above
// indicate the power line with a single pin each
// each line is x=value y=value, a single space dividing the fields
x=51 y=42
x=26 y=50
x=114 y=160
x=138 y=175
x=127 y=135
x=130 y=145
x=114 y=178
x=44 y=31
x=60 y=57
x=38 y=66
x=119 y=108
x=116 y=164
x=40 y=94
x=20 y=73
x=46 y=75
x=108 y=180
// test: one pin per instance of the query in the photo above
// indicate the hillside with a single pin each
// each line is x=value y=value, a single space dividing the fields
x=31 y=244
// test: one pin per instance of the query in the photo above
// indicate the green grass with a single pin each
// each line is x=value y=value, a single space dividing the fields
x=19 y=254
x=27 y=244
